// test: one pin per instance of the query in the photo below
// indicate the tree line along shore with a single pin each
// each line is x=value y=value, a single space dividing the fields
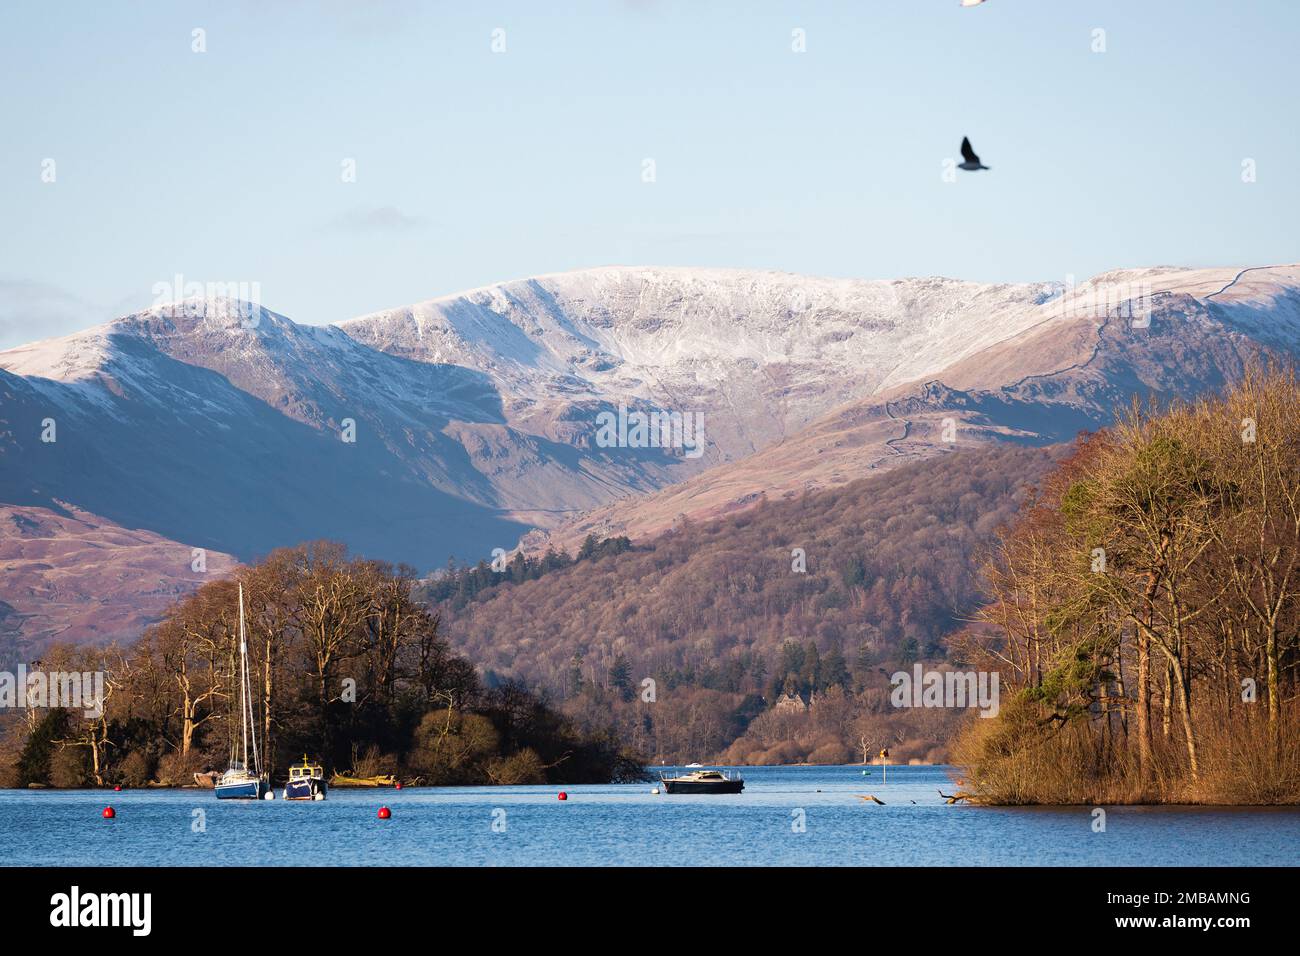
x=346 y=665
x=1144 y=614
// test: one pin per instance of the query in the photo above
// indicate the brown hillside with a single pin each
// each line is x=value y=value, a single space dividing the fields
x=890 y=569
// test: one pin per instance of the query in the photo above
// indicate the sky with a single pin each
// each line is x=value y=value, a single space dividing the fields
x=493 y=141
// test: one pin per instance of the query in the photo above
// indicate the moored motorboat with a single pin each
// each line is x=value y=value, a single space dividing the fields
x=306 y=781
x=704 y=781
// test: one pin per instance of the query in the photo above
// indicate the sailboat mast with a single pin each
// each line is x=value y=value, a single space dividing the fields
x=243 y=673
x=252 y=719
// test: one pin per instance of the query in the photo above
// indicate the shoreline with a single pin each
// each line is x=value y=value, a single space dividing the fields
x=970 y=801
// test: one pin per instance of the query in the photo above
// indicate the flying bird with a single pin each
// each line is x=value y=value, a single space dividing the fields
x=971 y=3
x=970 y=160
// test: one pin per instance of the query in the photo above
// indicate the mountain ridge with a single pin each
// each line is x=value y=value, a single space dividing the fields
x=217 y=424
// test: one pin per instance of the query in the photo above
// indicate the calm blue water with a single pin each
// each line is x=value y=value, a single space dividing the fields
x=628 y=825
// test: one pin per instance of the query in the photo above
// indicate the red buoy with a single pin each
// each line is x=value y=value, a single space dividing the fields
x=398 y=785
x=109 y=813
x=563 y=795
x=385 y=813
x=118 y=787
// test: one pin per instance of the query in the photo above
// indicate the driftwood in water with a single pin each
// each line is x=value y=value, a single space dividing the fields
x=953 y=797
x=872 y=798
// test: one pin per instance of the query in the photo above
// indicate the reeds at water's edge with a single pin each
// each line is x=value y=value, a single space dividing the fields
x=1242 y=764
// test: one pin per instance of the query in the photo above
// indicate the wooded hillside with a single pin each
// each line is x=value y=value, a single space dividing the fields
x=726 y=617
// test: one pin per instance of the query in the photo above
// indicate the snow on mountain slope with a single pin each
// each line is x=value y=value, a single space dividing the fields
x=1074 y=360
x=312 y=374
x=431 y=424
x=760 y=353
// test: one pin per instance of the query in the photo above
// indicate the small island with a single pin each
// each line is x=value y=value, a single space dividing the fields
x=347 y=665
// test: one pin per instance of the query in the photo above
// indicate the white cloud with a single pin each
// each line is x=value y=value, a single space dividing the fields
x=377 y=219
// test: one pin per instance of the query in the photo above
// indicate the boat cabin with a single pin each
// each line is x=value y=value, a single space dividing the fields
x=306 y=771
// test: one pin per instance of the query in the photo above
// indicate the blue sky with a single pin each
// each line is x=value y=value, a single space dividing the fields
x=474 y=166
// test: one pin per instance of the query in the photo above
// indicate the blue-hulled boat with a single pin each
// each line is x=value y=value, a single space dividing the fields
x=242 y=781
x=238 y=783
x=306 y=781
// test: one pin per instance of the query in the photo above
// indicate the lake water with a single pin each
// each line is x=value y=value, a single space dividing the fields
x=628 y=825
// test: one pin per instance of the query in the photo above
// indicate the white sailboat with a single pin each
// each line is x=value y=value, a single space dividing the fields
x=243 y=781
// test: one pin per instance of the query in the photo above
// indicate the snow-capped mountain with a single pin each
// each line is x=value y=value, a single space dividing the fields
x=225 y=426
x=1067 y=363
x=476 y=417
x=760 y=353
